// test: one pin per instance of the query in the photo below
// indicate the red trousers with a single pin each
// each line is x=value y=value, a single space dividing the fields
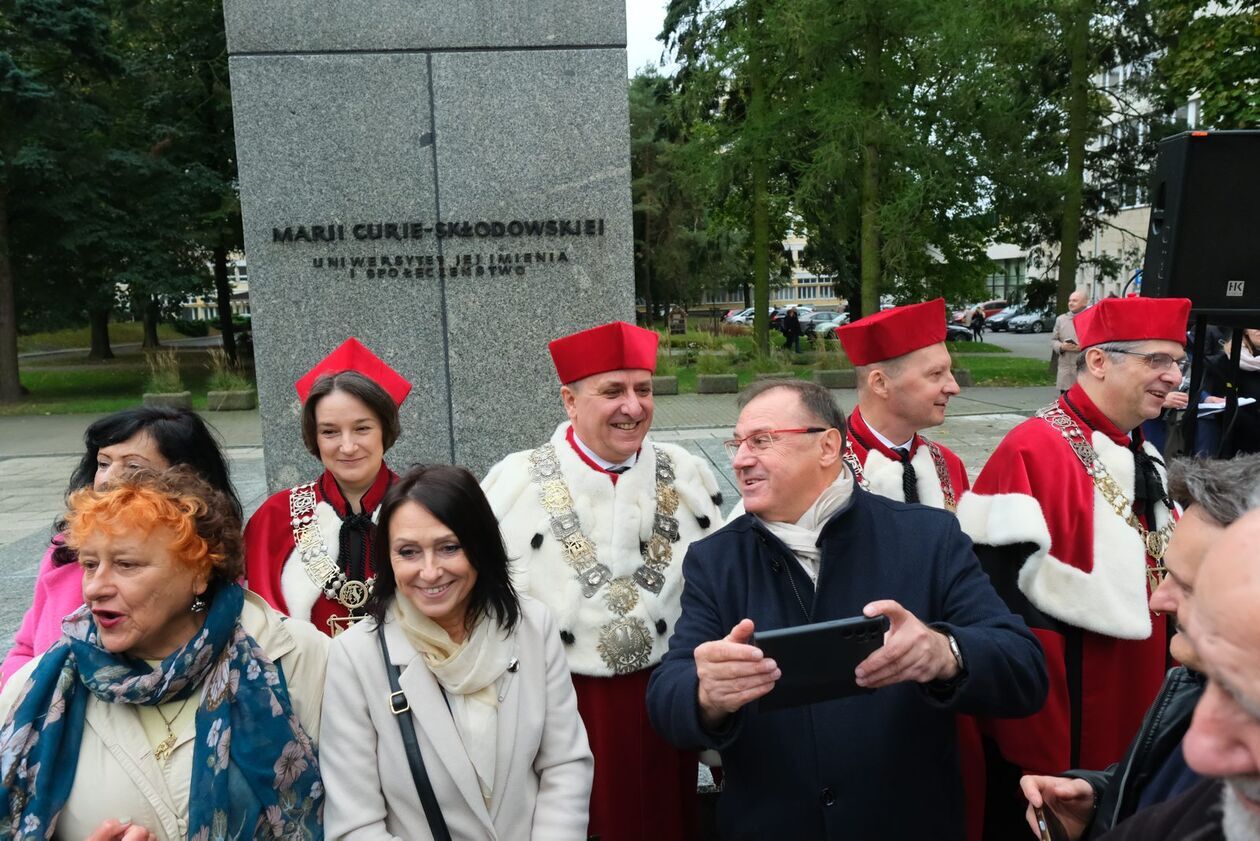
x=645 y=788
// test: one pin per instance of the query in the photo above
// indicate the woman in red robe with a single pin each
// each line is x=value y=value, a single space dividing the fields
x=308 y=548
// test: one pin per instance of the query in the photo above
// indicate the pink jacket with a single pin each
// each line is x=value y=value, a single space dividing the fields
x=58 y=592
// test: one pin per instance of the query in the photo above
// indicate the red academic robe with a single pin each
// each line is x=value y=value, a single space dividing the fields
x=883 y=471
x=273 y=569
x=1077 y=572
x=644 y=787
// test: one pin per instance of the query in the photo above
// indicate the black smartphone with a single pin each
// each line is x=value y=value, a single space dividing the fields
x=817 y=661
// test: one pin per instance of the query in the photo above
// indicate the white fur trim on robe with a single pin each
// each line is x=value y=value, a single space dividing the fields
x=616 y=519
x=883 y=476
x=1112 y=599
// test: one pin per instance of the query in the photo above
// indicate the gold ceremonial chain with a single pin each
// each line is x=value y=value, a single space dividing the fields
x=942 y=473
x=319 y=565
x=1156 y=542
x=625 y=644
x=167 y=746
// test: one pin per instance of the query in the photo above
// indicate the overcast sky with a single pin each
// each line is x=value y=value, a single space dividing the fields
x=643 y=24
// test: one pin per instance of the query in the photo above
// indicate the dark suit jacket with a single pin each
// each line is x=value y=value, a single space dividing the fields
x=882 y=765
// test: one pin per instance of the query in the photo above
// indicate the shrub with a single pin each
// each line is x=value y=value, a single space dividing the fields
x=713 y=363
x=224 y=375
x=830 y=356
x=195 y=329
x=164 y=376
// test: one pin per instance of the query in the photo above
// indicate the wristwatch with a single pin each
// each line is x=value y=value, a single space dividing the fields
x=953 y=649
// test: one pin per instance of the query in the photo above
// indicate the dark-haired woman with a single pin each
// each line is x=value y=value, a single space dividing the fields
x=482 y=670
x=154 y=437
x=308 y=549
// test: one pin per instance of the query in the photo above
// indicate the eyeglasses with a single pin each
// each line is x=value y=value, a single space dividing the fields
x=759 y=442
x=1159 y=361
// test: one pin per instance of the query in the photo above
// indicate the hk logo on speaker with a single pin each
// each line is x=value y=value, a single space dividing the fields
x=1234 y=288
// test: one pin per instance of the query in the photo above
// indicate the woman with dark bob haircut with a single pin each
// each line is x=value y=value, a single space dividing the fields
x=151 y=437
x=481 y=677
x=308 y=549
x=176 y=704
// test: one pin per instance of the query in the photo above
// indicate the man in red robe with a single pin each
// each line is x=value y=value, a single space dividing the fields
x=598 y=520
x=904 y=384
x=1070 y=516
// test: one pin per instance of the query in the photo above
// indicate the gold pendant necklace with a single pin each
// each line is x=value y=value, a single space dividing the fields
x=167 y=746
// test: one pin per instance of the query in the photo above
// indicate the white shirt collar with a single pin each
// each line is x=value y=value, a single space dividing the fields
x=889 y=444
x=602 y=462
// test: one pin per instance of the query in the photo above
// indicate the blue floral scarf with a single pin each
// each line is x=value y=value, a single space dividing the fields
x=254 y=774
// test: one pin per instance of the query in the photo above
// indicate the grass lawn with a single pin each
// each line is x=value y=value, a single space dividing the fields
x=1005 y=371
x=975 y=347
x=75 y=337
x=95 y=387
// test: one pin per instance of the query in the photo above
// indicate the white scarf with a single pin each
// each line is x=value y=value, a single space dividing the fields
x=469 y=672
x=802 y=536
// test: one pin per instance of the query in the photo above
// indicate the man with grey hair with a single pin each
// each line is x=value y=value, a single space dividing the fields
x=1063 y=340
x=812 y=547
x=1071 y=518
x=1214 y=494
x=1223 y=742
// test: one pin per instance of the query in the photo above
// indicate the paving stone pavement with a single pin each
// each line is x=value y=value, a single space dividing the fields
x=37 y=455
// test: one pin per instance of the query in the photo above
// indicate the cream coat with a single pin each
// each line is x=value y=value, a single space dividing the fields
x=1064 y=331
x=118 y=776
x=542 y=782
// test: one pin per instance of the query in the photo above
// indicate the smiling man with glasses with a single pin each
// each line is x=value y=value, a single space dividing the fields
x=1071 y=517
x=812 y=546
x=596 y=521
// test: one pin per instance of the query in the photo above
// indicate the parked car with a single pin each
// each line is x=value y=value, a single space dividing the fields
x=802 y=312
x=810 y=322
x=827 y=329
x=957 y=333
x=745 y=317
x=1032 y=322
x=988 y=308
x=999 y=321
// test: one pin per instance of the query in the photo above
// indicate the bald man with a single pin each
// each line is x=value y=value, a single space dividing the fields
x=1063 y=340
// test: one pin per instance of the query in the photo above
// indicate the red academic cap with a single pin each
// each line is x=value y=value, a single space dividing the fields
x=892 y=333
x=609 y=347
x=1133 y=320
x=352 y=355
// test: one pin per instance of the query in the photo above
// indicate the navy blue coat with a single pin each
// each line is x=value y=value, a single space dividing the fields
x=882 y=765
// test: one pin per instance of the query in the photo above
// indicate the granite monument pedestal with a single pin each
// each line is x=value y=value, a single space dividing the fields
x=447 y=181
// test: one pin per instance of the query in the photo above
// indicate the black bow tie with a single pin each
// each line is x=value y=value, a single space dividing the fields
x=618 y=470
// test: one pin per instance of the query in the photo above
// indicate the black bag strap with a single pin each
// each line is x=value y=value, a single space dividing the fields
x=402 y=712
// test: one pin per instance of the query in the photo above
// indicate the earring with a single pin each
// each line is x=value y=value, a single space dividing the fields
x=199 y=605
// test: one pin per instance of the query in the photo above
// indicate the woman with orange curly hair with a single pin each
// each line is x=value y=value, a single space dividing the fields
x=176 y=704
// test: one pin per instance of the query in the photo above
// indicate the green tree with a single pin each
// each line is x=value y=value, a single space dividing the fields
x=54 y=57
x=1213 y=49
x=733 y=81
x=903 y=114
x=682 y=250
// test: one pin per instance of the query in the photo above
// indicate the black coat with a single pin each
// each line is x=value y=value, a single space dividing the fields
x=1194 y=816
x=1119 y=788
x=882 y=765
x=791 y=325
